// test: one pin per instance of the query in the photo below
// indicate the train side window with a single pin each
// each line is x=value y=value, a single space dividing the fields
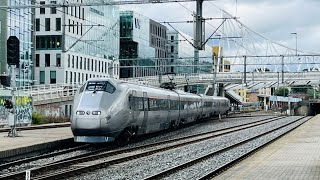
x=109 y=88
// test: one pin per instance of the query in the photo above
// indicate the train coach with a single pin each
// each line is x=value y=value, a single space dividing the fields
x=107 y=109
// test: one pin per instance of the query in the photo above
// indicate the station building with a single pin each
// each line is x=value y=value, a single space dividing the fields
x=17 y=22
x=75 y=44
x=143 y=44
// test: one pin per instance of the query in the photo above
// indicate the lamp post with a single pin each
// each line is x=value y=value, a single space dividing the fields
x=296 y=35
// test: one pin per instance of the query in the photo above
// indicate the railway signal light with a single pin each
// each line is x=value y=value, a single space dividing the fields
x=8 y=104
x=13 y=51
x=5 y=80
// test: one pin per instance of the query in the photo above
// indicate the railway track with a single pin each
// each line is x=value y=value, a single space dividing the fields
x=99 y=159
x=215 y=172
x=34 y=158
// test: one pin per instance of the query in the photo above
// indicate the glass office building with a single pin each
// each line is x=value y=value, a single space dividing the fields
x=19 y=23
x=181 y=54
x=141 y=53
x=77 y=45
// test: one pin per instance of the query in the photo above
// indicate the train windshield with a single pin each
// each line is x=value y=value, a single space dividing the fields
x=100 y=86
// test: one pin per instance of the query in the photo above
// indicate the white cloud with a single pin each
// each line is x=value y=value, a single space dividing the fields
x=272 y=18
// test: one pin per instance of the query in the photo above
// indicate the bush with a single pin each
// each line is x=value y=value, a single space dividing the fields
x=37 y=118
x=56 y=119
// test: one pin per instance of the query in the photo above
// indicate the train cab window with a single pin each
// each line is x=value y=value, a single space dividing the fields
x=100 y=86
x=82 y=88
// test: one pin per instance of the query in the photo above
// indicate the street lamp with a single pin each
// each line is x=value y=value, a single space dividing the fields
x=296 y=35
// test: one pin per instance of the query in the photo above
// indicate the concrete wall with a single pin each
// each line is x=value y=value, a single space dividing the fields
x=23 y=108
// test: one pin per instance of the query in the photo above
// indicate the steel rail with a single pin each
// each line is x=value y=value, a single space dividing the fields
x=40 y=171
x=190 y=163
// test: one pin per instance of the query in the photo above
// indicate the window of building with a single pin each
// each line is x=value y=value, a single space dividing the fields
x=77 y=62
x=66 y=80
x=58 y=60
x=79 y=12
x=80 y=62
x=70 y=77
x=58 y=24
x=85 y=63
x=48 y=42
x=88 y=64
x=75 y=11
x=69 y=25
x=37 y=24
x=68 y=60
x=53 y=78
x=47 y=25
x=53 y=9
x=42 y=77
x=73 y=27
x=42 y=10
x=47 y=60
x=91 y=64
x=72 y=61
x=172 y=49
x=74 y=77
x=82 y=13
x=77 y=27
x=37 y=60
x=81 y=30
x=95 y=67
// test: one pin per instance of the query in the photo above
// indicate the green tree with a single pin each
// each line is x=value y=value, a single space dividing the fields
x=282 y=91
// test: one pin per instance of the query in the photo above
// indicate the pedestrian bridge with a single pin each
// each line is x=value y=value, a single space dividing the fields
x=56 y=93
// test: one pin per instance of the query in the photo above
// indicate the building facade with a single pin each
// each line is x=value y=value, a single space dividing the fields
x=19 y=23
x=74 y=44
x=181 y=54
x=142 y=46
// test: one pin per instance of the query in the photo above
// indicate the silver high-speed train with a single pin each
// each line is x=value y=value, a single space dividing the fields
x=107 y=109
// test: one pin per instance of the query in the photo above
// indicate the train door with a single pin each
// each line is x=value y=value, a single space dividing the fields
x=145 y=112
x=134 y=104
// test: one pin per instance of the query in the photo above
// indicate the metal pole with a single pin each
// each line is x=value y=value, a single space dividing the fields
x=245 y=70
x=63 y=44
x=196 y=60
x=282 y=68
x=296 y=44
x=215 y=76
x=13 y=131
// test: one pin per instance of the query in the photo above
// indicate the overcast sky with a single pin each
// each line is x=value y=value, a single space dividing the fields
x=272 y=18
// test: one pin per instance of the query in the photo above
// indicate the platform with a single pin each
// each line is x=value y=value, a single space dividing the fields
x=293 y=156
x=33 y=140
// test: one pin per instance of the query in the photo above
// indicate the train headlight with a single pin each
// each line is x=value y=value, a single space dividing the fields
x=80 y=112
x=96 y=112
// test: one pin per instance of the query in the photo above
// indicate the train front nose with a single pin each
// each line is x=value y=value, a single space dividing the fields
x=87 y=124
x=89 y=119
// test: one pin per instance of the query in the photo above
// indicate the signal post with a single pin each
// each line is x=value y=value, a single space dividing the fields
x=13 y=60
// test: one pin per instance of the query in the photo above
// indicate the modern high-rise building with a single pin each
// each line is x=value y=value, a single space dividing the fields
x=74 y=44
x=142 y=46
x=19 y=23
x=181 y=54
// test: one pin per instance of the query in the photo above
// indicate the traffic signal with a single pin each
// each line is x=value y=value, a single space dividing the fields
x=5 y=80
x=13 y=51
x=8 y=104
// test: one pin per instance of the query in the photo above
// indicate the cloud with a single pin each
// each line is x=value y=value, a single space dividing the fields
x=271 y=18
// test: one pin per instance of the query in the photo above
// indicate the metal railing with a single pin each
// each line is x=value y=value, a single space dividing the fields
x=53 y=91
